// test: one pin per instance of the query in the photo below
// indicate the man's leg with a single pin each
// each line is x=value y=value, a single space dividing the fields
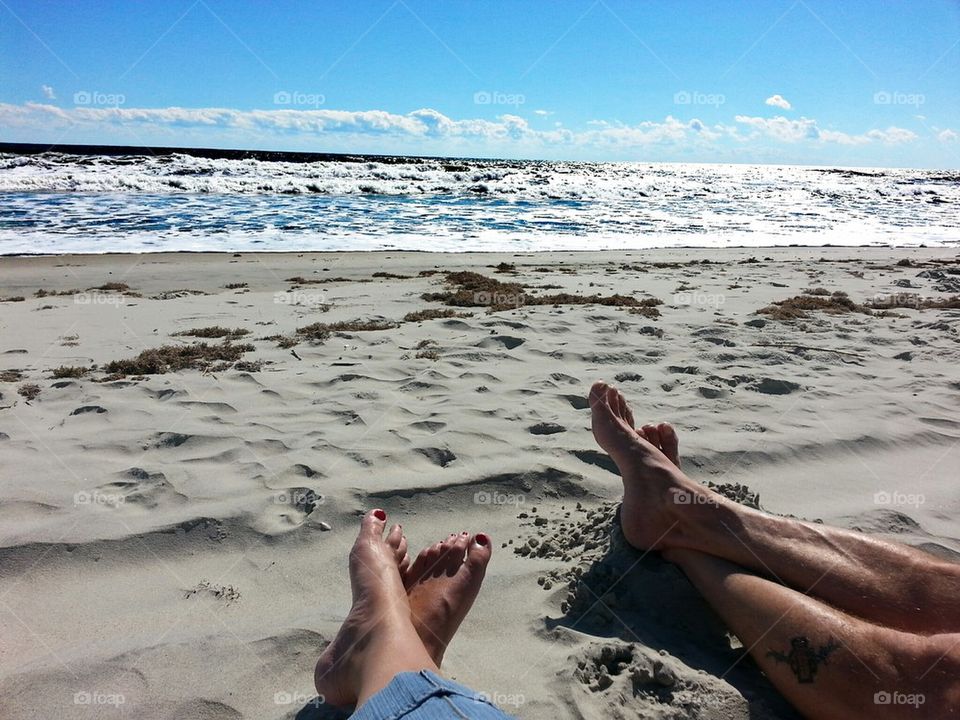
x=826 y=663
x=882 y=582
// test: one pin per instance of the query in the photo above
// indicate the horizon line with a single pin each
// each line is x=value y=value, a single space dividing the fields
x=304 y=156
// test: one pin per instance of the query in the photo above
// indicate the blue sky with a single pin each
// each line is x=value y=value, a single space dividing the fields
x=781 y=81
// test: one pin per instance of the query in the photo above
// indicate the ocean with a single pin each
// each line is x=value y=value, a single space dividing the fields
x=151 y=200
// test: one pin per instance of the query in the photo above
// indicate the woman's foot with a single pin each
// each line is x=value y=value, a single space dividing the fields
x=377 y=640
x=649 y=462
x=442 y=584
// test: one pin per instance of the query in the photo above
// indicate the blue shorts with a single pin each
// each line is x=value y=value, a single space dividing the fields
x=426 y=696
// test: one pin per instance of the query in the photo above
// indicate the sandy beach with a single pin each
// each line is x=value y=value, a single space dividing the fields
x=175 y=528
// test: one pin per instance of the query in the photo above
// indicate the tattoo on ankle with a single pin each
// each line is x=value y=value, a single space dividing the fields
x=803 y=659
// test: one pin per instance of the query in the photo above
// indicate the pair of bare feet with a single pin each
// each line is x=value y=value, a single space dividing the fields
x=411 y=610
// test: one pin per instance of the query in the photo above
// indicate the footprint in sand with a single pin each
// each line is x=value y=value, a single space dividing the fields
x=577 y=402
x=654 y=681
x=546 y=428
x=723 y=342
x=438 y=456
x=167 y=393
x=218 y=408
x=430 y=426
x=288 y=509
x=171 y=439
x=89 y=409
x=504 y=341
x=134 y=486
x=712 y=393
x=301 y=470
x=599 y=459
x=773 y=386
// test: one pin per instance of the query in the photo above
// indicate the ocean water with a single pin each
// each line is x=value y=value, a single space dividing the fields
x=56 y=203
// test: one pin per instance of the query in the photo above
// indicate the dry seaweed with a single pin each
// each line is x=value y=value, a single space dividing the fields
x=171 y=358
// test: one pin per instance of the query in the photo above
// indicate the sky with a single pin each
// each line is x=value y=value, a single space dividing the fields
x=851 y=83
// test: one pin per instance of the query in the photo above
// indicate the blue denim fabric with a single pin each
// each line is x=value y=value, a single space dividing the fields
x=426 y=696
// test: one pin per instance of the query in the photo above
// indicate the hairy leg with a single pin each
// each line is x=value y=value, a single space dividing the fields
x=883 y=582
x=826 y=663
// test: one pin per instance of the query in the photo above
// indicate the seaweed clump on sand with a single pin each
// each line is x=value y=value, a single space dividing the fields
x=28 y=391
x=912 y=300
x=171 y=358
x=800 y=306
x=838 y=303
x=433 y=314
x=213 y=332
x=471 y=289
x=318 y=332
x=69 y=371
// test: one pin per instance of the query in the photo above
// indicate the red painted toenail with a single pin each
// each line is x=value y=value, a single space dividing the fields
x=483 y=539
x=379 y=514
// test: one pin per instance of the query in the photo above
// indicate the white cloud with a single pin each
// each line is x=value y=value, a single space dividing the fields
x=792 y=131
x=48 y=92
x=543 y=113
x=429 y=129
x=425 y=123
x=842 y=138
x=778 y=101
x=947 y=135
x=781 y=128
x=892 y=135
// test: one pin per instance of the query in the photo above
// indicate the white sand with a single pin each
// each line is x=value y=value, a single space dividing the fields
x=118 y=499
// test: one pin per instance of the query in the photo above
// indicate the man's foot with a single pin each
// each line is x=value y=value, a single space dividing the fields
x=379 y=621
x=442 y=584
x=663 y=437
x=649 y=462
